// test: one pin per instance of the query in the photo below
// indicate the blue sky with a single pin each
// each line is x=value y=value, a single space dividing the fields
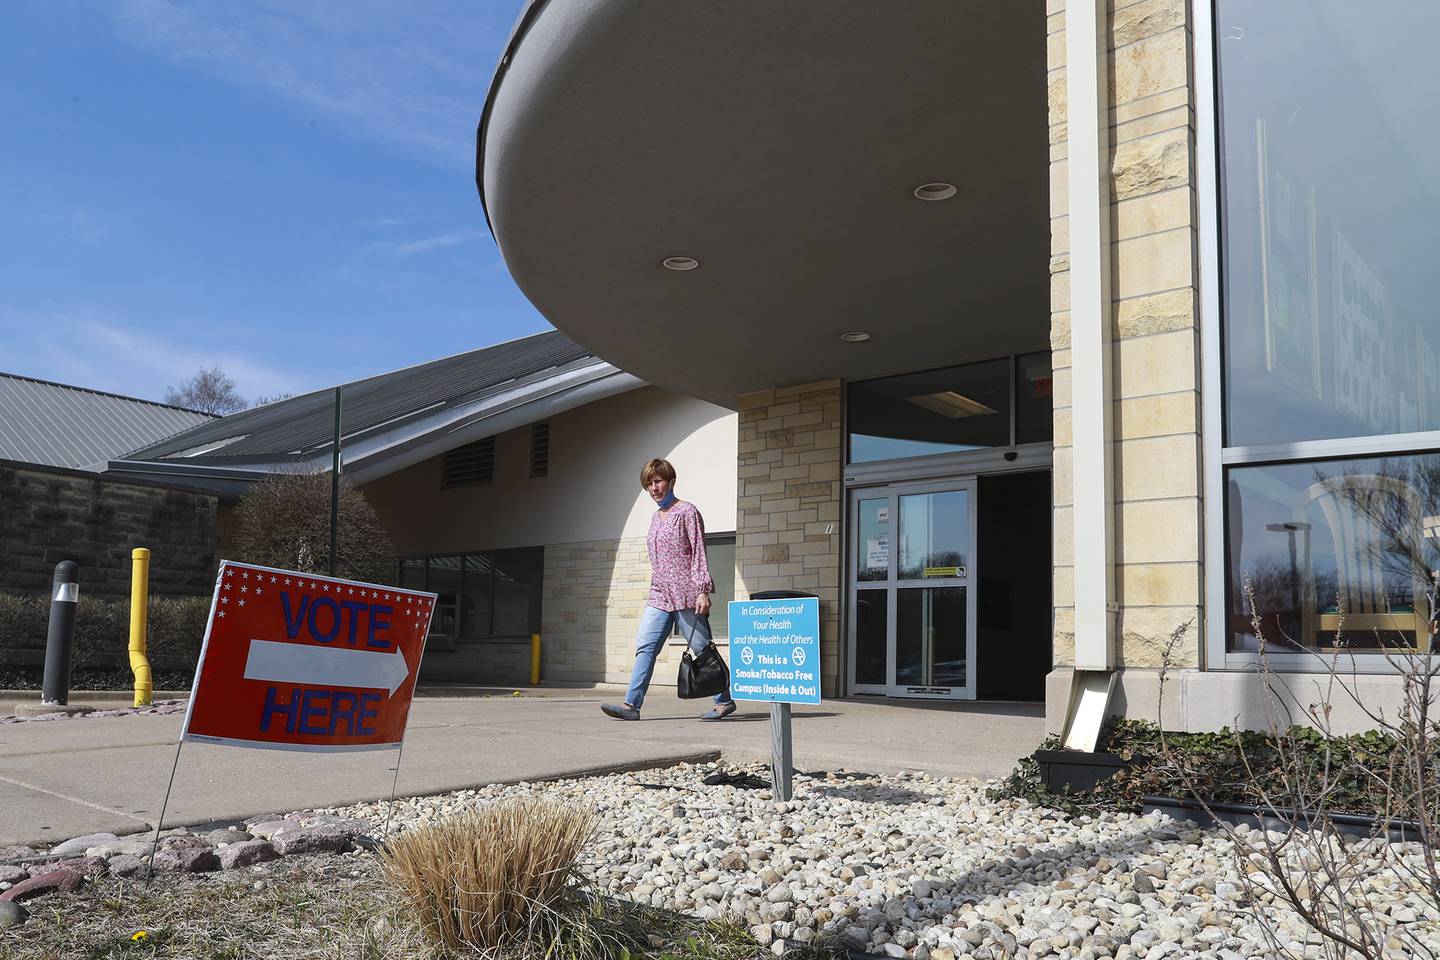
x=282 y=188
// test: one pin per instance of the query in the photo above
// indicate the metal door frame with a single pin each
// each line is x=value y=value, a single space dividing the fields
x=892 y=585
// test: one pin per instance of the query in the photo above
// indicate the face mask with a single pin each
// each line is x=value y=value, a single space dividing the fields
x=668 y=500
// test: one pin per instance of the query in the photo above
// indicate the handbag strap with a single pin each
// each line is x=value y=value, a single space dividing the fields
x=690 y=640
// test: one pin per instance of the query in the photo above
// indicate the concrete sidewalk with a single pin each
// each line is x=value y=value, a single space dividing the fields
x=63 y=778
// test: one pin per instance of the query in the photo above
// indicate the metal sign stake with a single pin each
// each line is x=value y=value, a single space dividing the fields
x=782 y=753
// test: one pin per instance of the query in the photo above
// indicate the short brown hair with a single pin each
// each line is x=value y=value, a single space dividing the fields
x=654 y=467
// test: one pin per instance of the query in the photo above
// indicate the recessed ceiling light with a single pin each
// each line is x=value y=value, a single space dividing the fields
x=680 y=263
x=935 y=191
x=855 y=336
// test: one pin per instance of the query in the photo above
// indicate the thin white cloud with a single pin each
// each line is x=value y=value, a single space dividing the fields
x=440 y=242
x=412 y=74
x=91 y=347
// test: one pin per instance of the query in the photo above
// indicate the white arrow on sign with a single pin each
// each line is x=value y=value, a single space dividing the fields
x=324 y=666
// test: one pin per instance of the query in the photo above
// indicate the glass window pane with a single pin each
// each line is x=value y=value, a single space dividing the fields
x=720 y=553
x=475 y=604
x=930 y=637
x=874 y=525
x=444 y=580
x=412 y=573
x=939 y=411
x=1034 y=418
x=871 y=624
x=519 y=578
x=1330 y=202
x=934 y=535
x=1333 y=555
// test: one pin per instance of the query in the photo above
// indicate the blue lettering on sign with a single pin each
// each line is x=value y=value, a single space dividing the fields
x=318 y=711
x=346 y=614
x=342 y=705
x=379 y=620
x=272 y=707
x=292 y=624
x=365 y=700
x=316 y=606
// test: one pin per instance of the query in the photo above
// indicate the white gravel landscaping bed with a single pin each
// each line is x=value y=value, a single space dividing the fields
x=915 y=866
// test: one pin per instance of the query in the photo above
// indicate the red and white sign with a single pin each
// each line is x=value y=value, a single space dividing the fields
x=294 y=661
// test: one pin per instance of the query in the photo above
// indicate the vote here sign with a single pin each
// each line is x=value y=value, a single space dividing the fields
x=775 y=650
x=294 y=661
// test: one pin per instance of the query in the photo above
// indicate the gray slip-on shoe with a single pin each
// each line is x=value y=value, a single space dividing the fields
x=619 y=711
x=719 y=712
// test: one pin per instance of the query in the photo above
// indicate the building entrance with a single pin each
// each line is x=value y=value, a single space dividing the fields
x=949 y=592
x=912 y=597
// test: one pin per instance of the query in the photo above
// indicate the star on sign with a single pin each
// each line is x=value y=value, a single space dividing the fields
x=229 y=572
x=245 y=574
x=221 y=613
x=244 y=589
x=272 y=579
x=242 y=603
x=224 y=599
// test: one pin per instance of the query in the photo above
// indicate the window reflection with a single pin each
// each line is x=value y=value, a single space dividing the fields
x=1330 y=203
x=938 y=411
x=1334 y=556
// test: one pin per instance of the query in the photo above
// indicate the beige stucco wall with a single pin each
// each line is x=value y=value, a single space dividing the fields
x=1155 y=330
x=590 y=515
x=592 y=491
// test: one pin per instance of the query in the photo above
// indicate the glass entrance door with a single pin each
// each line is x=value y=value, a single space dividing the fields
x=912 y=599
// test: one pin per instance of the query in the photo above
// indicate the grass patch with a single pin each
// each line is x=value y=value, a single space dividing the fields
x=336 y=907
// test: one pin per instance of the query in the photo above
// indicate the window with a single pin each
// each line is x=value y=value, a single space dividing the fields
x=1334 y=555
x=1329 y=191
x=470 y=465
x=481 y=596
x=540 y=449
x=720 y=554
x=994 y=403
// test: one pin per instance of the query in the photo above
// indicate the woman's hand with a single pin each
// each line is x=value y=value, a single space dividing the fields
x=702 y=604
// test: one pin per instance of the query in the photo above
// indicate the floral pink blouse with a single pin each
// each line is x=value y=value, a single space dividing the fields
x=678 y=570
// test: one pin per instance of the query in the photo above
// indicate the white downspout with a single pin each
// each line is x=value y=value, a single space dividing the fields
x=1087 y=70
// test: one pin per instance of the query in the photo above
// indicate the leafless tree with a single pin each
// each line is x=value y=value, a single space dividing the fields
x=209 y=391
x=1347 y=889
x=284 y=521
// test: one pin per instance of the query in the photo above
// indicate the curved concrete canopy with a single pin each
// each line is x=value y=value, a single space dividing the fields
x=779 y=144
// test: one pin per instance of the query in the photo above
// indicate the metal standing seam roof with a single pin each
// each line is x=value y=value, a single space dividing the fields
x=290 y=428
x=57 y=425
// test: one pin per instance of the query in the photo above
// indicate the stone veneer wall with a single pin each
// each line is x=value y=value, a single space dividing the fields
x=594 y=594
x=49 y=514
x=1155 y=329
x=789 y=503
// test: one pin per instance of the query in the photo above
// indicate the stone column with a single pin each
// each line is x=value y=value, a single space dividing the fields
x=787 y=518
x=1156 y=348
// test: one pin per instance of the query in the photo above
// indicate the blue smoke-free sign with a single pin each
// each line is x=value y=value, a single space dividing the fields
x=775 y=650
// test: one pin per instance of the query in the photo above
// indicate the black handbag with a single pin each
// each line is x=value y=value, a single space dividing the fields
x=702 y=674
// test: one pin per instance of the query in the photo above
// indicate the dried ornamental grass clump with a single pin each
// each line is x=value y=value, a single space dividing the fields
x=499 y=879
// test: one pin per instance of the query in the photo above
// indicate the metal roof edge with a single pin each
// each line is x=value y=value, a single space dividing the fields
x=107 y=393
x=496 y=415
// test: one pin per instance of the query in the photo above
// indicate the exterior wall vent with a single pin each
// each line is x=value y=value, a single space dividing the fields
x=540 y=448
x=470 y=465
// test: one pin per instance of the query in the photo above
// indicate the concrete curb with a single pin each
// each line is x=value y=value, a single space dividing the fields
x=93 y=696
x=577 y=773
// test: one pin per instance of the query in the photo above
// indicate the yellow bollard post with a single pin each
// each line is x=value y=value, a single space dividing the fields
x=534 y=659
x=139 y=625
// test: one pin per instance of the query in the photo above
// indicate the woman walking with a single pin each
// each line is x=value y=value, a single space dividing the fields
x=680 y=588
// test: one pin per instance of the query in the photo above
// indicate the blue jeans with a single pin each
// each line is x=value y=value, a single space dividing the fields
x=655 y=626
